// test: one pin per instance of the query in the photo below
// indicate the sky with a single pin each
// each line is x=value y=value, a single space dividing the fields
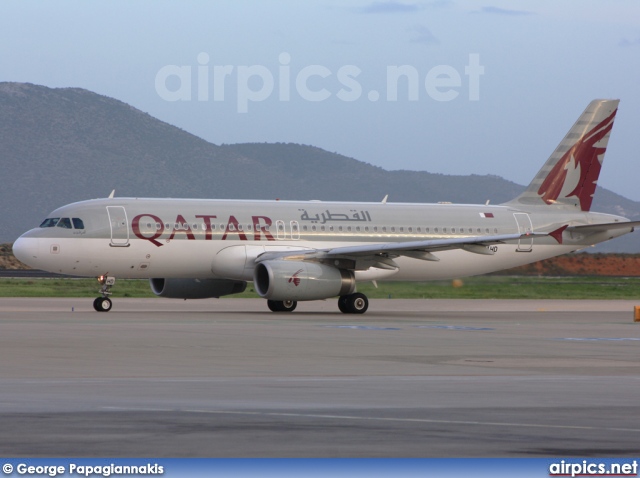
x=445 y=86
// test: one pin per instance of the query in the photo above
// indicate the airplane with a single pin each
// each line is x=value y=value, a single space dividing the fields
x=315 y=250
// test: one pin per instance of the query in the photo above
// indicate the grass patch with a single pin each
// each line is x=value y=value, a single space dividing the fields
x=43 y=287
x=482 y=287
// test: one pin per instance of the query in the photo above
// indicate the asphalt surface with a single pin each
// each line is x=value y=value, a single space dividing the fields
x=228 y=378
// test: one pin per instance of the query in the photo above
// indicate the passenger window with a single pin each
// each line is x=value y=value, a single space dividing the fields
x=65 y=223
x=50 y=222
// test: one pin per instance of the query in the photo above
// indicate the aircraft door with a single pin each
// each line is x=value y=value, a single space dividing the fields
x=119 y=226
x=525 y=244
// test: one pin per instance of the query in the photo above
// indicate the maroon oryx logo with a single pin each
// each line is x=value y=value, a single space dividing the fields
x=582 y=160
x=294 y=278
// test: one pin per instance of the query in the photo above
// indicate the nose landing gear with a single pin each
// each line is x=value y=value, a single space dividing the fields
x=104 y=304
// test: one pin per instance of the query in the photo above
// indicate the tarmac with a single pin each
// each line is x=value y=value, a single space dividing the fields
x=228 y=378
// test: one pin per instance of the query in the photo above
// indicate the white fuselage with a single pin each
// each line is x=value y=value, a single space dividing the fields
x=179 y=238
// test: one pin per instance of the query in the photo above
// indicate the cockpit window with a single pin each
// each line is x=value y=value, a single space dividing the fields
x=77 y=223
x=65 y=223
x=50 y=222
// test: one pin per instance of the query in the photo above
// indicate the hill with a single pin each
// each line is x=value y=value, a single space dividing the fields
x=68 y=144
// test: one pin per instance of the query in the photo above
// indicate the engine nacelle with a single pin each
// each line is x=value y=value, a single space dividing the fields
x=288 y=280
x=196 y=288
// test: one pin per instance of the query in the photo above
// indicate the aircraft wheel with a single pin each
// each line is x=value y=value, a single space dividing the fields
x=288 y=305
x=357 y=303
x=282 y=305
x=102 y=304
x=342 y=304
x=273 y=305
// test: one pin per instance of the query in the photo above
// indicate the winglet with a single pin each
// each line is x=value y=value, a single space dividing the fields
x=557 y=234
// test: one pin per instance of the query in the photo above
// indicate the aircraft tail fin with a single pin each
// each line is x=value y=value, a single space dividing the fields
x=568 y=179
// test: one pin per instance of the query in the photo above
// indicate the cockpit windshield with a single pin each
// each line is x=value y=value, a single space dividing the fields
x=50 y=222
x=65 y=222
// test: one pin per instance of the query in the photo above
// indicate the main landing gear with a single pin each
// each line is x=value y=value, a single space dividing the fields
x=348 y=304
x=353 y=303
x=104 y=304
x=282 y=305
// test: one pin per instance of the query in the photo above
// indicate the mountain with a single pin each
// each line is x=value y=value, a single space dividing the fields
x=68 y=144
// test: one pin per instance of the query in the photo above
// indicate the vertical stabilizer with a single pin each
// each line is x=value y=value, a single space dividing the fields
x=569 y=177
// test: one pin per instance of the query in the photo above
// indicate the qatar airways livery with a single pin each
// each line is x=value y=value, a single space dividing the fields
x=312 y=250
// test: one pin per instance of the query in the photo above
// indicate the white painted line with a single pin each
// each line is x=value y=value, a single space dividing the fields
x=414 y=420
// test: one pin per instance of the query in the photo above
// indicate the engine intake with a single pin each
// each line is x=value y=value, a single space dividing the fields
x=288 y=280
x=196 y=288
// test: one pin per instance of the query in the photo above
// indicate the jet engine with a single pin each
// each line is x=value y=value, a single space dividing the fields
x=196 y=288
x=289 y=280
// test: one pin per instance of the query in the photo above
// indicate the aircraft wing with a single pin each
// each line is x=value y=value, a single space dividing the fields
x=381 y=254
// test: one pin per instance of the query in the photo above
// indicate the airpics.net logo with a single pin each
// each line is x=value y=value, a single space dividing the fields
x=313 y=83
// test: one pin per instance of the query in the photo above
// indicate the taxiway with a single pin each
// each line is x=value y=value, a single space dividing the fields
x=228 y=378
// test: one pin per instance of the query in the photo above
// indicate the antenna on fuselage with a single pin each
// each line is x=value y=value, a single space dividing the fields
x=384 y=199
x=112 y=194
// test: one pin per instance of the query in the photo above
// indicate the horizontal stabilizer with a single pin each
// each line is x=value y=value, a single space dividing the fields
x=609 y=226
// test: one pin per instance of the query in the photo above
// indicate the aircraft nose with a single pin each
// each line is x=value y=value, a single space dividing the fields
x=26 y=250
